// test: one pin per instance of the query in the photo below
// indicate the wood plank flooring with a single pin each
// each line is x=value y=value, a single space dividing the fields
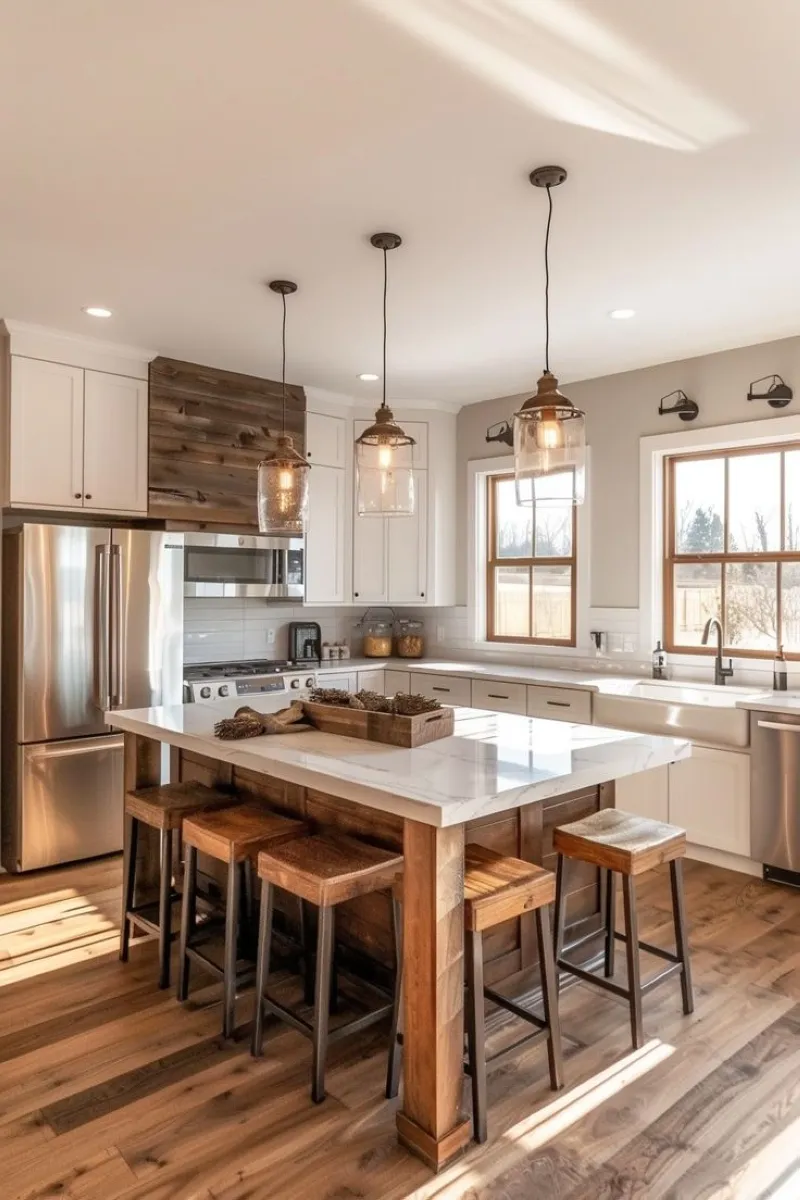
x=109 y=1089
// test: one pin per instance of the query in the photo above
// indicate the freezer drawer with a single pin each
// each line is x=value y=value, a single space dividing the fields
x=66 y=802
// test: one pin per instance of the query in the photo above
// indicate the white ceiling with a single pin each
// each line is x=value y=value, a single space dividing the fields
x=165 y=159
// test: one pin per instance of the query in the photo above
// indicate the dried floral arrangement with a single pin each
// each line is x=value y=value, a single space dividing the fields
x=403 y=704
x=247 y=723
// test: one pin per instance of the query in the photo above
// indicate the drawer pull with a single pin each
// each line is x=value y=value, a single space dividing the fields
x=559 y=704
x=497 y=696
x=439 y=689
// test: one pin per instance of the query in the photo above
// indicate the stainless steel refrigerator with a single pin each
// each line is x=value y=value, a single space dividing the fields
x=92 y=620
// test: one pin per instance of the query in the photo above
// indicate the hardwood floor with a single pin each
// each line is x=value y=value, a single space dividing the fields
x=110 y=1089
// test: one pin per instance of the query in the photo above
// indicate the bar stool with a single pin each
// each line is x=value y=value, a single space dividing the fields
x=498 y=888
x=232 y=836
x=622 y=843
x=163 y=808
x=324 y=870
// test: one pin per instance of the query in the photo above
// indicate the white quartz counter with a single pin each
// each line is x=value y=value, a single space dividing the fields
x=776 y=702
x=494 y=762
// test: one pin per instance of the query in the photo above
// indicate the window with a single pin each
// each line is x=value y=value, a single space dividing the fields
x=732 y=550
x=530 y=566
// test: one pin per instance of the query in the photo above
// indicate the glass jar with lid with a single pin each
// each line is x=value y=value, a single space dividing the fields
x=409 y=638
x=377 y=628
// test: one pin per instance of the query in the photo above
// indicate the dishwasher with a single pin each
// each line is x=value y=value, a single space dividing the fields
x=775 y=794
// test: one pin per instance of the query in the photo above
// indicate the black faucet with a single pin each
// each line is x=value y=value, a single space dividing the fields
x=720 y=673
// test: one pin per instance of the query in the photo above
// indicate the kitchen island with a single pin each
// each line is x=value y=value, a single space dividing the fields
x=501 y=780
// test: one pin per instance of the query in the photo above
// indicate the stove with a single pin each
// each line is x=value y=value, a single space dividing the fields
x=205 y=683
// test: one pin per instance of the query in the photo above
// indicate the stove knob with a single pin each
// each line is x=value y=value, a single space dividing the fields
x=310 y=682
x=295 y=683
x=224 y=690
x=205 y=693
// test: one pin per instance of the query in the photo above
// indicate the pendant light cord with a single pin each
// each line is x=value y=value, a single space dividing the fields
x=547 y=281
x=385 y=290
x=283 y=367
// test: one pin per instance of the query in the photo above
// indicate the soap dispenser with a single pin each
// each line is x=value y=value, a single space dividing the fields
x=779 y=676
x=659 y=662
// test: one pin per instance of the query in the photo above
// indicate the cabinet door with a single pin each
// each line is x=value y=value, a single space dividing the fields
x=46 y=434
x=709 y=797
x=347 y=682
x=326 y=440
x=396 y=681
x=371 y=681
x=408 y=550
x=115 y=443
x=325 y=540
x=645 y=794
x=369 y=559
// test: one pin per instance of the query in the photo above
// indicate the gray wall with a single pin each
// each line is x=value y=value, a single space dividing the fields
x=619 y=410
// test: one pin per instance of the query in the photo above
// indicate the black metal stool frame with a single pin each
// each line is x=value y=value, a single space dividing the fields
x=134 y=916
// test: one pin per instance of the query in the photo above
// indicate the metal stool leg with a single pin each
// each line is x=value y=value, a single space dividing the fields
x=128 y=882
x=229 y=962
x=681 y=937
x=550 y=999
x=632 y=954
x=558 y=933
x=165 y=908
x=322 y=995
x=393 y=1069
x=308 y=954
x=611 y=922
x=188 y=916
x=262 y=964
x=476 y=1033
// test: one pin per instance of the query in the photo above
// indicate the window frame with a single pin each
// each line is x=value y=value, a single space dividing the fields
x=492 y=562
x=671 y=558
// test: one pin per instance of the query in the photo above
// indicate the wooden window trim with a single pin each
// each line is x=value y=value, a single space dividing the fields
x=671 y=558
x=492 y=563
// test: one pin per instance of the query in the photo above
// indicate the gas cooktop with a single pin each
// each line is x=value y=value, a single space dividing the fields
x=241 y=670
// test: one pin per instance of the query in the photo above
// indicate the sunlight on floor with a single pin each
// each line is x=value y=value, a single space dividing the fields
x=776 y=1165
x=57 y=930
x=548 y=1122
x=564 y=62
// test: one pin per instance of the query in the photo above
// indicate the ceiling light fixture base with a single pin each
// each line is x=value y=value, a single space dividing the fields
x=284 y=287
x=547 y=177
x=386 y=241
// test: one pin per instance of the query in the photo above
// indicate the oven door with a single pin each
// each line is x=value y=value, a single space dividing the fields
x=231 y=565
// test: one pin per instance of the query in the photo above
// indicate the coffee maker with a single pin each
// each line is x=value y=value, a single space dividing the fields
x=305 y=642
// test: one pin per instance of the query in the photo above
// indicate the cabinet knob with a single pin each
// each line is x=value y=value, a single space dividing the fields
x=88 y=496
x=422 y=593
x=77 y=495
x=355 y=593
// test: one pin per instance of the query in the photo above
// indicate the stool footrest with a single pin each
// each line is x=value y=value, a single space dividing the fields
x=529 y=1039
x=667 y=955
x=667 y=973
x=515 y=1009
x=607 y=984
x=307 y=1029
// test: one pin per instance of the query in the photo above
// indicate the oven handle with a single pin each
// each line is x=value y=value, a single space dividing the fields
x=779 y=727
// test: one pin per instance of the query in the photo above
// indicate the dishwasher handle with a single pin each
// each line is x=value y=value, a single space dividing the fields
x=779 y=727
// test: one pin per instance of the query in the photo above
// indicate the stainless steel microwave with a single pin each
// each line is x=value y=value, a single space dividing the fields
x=230 y=564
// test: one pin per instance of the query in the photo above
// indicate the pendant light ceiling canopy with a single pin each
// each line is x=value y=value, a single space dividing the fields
x=384 y=451
x=283 y=474
x=549 y=431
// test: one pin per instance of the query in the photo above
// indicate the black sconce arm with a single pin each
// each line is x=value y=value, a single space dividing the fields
x=777 y=395
x=501 y=432
x=683 y=407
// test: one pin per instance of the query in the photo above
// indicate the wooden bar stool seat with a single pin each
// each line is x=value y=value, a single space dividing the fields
x=163 y=808
x=625 y=844
x=233 y=836
x=325 y=871
x=498 y=888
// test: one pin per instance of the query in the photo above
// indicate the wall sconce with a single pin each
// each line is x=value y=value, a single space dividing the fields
x=502 y=432
x=777 y=395
x=685 y=408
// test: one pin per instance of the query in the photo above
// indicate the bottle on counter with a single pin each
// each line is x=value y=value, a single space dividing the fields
x=780 y=681
x=659 y=662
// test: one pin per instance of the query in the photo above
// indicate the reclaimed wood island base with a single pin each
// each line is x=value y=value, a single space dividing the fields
x=431 y=1122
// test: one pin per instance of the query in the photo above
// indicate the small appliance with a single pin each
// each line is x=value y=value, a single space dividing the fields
x=305 y=642
x=206 y=683
x=231 y=565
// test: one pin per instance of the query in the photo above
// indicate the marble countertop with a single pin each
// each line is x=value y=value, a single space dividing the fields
x=777 y=702
x=500 y=672
x=493 y=763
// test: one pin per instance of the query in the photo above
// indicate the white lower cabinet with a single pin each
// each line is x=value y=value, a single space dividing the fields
x=709 y=797
x=372 y=681
x=397 y=681
x=645 y=794
x=499 y=697
x=450 y=689
x=342 y=681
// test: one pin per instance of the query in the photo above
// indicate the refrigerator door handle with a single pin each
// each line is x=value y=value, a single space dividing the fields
x=117 y=657
x=102 y=688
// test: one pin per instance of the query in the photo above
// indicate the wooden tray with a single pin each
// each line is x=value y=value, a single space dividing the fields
x=388 y=728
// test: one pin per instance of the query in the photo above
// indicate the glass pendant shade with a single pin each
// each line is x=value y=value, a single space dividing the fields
x=549 y=448
x=384 y=469
x=283 y=490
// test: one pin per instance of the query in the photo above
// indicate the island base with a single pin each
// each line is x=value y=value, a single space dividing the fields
x=435 y=1153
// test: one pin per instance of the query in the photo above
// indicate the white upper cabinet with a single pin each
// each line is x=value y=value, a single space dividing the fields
x=115 y=443
x=77 y=438
x=326 y=440
x=325 y=536
x=407 y=557
x=46 y=434
x=370 y=543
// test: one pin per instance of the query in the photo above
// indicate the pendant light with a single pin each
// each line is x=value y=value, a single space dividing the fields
x=384 y=451
x=283 y=474
x=549 y=431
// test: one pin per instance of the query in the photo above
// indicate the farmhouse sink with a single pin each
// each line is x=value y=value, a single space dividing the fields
x=702 y=713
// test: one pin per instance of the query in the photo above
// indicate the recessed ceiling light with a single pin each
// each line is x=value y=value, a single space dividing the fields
x=368 y=377
x=622 y=314
x=95 y=310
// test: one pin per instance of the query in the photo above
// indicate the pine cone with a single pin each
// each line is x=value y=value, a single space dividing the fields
x=330 y=696
x=374 y=702
x=411 y=705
